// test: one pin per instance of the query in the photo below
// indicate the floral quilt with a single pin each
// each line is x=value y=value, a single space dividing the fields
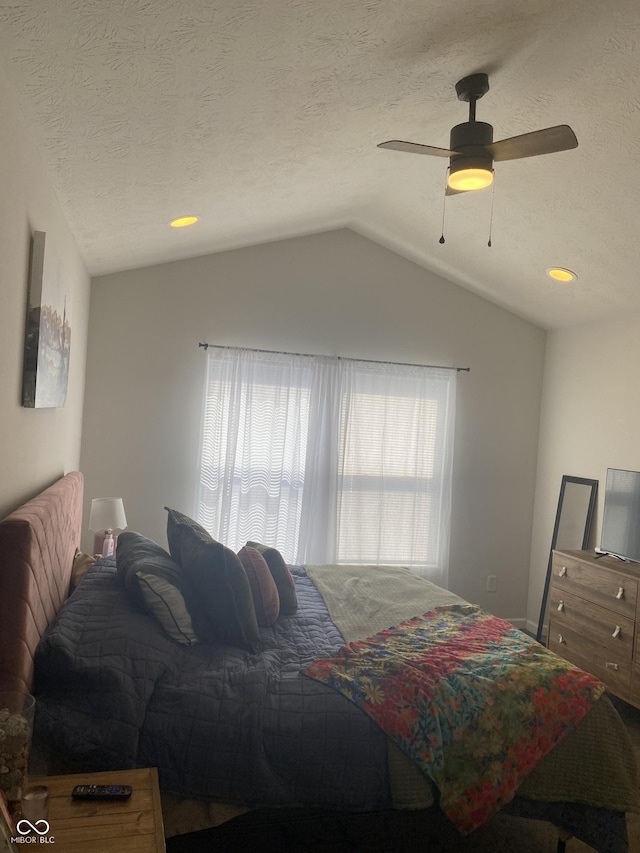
x=473 y=701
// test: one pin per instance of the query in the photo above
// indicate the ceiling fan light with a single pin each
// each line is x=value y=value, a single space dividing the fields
x=470 y=179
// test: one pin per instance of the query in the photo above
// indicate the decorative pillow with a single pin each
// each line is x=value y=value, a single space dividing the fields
x=80 y=567
x=226 y=610
x=282 y=577
x=166 y=603
x=156 y=583
x=263 y=587
x=181 y=528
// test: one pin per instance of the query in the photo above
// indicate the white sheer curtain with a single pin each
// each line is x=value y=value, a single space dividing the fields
x=318 y=522
x=394 y=483
x=256 y=418
x=329 y=460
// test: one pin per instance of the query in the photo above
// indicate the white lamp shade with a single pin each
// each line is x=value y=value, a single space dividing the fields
x=107 y=514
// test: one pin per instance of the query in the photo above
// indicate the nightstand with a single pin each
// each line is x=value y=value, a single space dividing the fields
x=105 y=827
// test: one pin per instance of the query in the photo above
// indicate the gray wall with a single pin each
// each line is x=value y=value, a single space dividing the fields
x=36 y=445
x=589 y=422
x=333 y=293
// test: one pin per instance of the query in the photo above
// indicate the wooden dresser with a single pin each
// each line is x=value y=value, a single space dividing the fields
x=594 y=618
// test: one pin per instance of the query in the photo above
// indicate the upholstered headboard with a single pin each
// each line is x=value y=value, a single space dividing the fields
x=37 y=545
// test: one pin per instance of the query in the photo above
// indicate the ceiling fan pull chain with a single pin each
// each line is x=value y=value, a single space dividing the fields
x=444 y=204
x=493 y=192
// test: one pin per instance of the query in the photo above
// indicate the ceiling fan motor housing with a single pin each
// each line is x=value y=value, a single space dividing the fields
x=468 y=140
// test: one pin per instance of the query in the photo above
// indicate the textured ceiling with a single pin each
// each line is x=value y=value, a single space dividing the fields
x=263 y=118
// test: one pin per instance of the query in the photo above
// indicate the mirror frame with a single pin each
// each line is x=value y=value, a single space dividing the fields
x=593 y=484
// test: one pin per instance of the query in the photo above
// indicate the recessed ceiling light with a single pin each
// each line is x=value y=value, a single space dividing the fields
x=561 y=274
x=184 y=221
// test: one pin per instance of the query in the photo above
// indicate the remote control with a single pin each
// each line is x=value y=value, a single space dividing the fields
x=101 y=792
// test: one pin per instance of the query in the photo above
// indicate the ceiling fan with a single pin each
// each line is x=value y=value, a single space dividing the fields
x=472 y=151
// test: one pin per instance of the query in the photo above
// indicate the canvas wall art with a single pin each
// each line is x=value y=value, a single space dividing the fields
x=48 y=331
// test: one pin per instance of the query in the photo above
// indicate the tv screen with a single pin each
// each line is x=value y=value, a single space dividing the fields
x=621 y=518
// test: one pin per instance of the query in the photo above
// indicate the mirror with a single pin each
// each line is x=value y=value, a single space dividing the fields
x=572 y=528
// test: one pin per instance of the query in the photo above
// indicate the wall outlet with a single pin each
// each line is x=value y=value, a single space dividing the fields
x=492 y=583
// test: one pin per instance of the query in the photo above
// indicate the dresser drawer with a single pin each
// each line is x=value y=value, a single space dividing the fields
x=613 y=670
x=596 y=584
x=593 y=623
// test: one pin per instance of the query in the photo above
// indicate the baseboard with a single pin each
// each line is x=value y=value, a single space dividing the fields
x=532 y=628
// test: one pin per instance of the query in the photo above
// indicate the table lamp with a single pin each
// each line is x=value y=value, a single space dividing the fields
x=105 y=520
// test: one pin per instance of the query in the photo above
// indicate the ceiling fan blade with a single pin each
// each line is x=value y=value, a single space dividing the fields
x=415 y=148
x=547 y=141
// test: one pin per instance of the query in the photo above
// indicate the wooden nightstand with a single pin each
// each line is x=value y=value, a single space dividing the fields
x=104 y=827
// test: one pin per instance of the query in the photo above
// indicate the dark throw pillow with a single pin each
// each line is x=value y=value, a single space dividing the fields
x=282 y=577
x=181 y=528
x=226 y=612
x=263 y=587
x=156 y=583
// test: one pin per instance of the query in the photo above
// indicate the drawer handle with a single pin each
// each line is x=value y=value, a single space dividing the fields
x=560 y=639
x=617 y=632
x=613 y=666
x=562 y=572
x=561 y=605
x=620 y=593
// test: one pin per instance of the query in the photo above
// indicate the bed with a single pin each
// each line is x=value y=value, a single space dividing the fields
x=291 y=722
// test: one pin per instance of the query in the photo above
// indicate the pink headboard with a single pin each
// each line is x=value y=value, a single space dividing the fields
x=37 y=545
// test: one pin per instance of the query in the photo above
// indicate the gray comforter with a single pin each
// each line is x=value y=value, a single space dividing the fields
x=113 y=691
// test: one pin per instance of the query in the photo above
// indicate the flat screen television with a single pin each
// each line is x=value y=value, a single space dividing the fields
x=621 y=517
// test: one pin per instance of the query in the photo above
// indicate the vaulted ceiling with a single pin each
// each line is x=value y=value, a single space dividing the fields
x=263 y=118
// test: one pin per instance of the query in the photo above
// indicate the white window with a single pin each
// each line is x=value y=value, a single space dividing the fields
x=329 y=460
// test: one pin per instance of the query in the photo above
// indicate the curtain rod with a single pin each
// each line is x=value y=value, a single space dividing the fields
x=205 y=347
